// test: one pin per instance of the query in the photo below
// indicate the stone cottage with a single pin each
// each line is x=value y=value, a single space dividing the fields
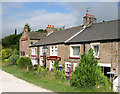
x=29 y=38
x=67 y=45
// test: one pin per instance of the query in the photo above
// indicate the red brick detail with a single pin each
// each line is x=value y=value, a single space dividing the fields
x=74 y=57
x=24 y=39
x=97 y=58
x=33 y=55
x=41 y=56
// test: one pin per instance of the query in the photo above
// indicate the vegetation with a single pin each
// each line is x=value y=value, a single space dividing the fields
x=24 y=63
x=5 y=54
x=13 y=58
x=88 y=74
x=46 y=82
x=11 y=41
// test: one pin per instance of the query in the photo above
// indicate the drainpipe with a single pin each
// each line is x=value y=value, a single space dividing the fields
x=84 y=47
x=38 y=55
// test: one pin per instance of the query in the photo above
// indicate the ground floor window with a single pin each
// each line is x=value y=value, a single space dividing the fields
x=74 y=65
x=41 y=61
x=67 y=66
x=51 y=65
x=105 y=70
x=34 y=62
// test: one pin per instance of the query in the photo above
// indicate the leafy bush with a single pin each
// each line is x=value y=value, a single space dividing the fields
x=24 y=63
x=5 y=54
x=13 y=58
x=60 y=75
x=56 y=64
x=43 y=72
x=88 y=73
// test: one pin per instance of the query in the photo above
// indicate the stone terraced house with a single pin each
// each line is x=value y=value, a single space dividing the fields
x=67 y=45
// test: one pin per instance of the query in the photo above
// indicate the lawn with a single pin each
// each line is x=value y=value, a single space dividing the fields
x=46 y=83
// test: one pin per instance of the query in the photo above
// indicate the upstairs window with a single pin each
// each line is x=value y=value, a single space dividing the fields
x=75 y=51
x=41 y=50
x=33 y=51
x=95 y=48
x=53 y=51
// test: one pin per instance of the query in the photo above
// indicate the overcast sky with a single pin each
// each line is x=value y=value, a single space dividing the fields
x=40 y=14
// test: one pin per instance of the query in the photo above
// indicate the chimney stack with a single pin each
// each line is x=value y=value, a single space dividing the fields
x=88 y=19
x=26 y=27
x=50 y=28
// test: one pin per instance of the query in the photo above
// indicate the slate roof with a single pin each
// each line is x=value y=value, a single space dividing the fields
x=59 y=36
x=36 y=35
x=99 y=31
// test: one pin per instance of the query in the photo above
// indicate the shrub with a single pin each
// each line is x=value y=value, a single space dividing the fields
x=13 y=58
x=24 y=63
x=5 y=54
x=56 y=64
x=88 y=73
x=60 y=75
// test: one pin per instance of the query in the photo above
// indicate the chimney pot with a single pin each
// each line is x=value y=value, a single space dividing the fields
x=50 y=25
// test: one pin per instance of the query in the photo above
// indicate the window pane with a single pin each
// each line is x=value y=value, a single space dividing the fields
x=76 y=50
x=96 y=49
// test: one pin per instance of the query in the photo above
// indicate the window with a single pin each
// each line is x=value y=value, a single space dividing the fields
x=51 y=65
x=53 y=51
x=41 y=51
x=74 y=65
x=33 y=51
x=75 y=51
x=67 y=66
x=95 y=47
x=96 y=50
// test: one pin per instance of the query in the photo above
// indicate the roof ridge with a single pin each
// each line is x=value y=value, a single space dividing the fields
x=73 y=27
x=107 y=21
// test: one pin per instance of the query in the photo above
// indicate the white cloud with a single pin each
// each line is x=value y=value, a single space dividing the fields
x=39 y=19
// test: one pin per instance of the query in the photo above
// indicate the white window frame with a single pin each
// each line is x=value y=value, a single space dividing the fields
x=71 y=50
x=92 y=46
x=54 y=49
x=51 y=64
x=69 y=64
x=41 y=50
x=33 y=51
x=75 y=65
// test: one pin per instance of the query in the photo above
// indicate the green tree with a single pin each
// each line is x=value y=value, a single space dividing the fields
x=88 y=73
x=56 y=64
x=11 y=41
x=5 y=54
x=24 y=63
x=13 y=58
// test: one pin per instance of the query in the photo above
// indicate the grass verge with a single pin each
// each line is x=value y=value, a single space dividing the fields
x=46 y=83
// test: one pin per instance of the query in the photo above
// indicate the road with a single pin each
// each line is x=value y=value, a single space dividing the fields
x=9 y=83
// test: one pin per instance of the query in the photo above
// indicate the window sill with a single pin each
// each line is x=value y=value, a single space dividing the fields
x=96 y=57
x=74 y=57
x=33 y=55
